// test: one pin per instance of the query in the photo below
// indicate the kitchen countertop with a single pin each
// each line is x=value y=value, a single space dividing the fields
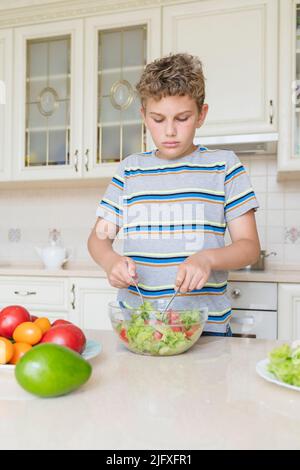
x=269 y=275
x=207 y=398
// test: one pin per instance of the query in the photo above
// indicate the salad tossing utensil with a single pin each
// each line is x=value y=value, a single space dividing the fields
x=170 y=301
x=137 y=288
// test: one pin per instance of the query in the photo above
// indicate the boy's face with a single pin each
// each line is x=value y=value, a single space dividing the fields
x=172 y=122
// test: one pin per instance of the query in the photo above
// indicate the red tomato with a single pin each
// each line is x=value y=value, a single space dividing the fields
x=66 y=335
x=33 y=318
x=123 y=335
x=11 y=317
x=177 y=329
x=61 y=322
x=173 y=317
x=157 y=335
x=191 y=331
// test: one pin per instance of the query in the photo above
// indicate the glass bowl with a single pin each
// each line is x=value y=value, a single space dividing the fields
x=145 y=330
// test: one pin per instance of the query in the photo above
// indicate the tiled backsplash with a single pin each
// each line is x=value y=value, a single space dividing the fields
x=27 y=216
x=278 y=218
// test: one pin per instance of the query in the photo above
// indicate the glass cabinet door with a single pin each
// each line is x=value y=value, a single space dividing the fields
x=297 y=100
x=47 y=130
x=121 y=60
x=48 y=101
x=6 y=38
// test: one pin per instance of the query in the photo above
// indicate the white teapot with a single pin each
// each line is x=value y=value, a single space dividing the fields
x=53 y=255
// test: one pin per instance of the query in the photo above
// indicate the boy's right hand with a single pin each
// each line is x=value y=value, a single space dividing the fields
x=120 y=270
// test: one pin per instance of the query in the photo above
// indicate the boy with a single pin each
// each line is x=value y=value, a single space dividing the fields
x=174 y=204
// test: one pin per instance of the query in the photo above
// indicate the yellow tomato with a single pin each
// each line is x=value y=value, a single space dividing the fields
x=6 y=350
x=27 y=332
x=19 y=350
x=43 y=323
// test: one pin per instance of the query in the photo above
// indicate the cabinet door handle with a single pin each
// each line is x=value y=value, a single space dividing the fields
x=86 y=159
x=243 y=320
x=76 y=160
x=271 y=111
x=24 y=293
x=73 y=296
x=236 y=293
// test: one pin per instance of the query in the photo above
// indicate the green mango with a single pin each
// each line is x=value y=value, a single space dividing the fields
x=51 y=370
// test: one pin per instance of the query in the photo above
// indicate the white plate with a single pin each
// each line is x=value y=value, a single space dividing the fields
x=262 y=370
x=92 y=349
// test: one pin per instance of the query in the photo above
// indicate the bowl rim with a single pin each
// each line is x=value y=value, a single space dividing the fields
x=114 y=307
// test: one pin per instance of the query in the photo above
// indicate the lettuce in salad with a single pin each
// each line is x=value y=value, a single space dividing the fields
x=284 y=363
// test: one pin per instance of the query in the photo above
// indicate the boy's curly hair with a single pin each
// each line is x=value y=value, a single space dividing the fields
x=171 y=75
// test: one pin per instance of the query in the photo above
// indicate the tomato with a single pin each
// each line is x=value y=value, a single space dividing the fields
x=177 y=329
x=6 y=350
x=123 y=335
x=27 y=332
x=10 y=318
x=157 y=335
x=43 y=323
x=66 y=335
x=19 y=350
x=173 y=317
x=191 y=331
x=33 y=318
x=61 y=322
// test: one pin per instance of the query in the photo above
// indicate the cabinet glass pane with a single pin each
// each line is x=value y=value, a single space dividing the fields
x=48 y=101
x=121 y=60
x=297 y=101
x=2 y=99
x=110 y=143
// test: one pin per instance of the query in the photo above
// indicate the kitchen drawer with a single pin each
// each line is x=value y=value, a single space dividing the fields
x=253 y=295
x=35 y=292
x=254 y=324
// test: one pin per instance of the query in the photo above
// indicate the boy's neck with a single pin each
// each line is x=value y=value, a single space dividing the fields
x=184 y=154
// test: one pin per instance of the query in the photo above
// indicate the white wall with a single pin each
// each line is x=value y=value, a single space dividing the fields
x=73 y=212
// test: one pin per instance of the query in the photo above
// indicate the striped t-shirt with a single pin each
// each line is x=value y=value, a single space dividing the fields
x=170 y=209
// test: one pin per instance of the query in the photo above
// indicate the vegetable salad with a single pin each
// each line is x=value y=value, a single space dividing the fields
x=148 y=331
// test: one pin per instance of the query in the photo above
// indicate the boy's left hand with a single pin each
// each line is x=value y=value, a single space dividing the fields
x=194 y=272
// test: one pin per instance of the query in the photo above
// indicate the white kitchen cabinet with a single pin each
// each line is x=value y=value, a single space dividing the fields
x=77 y=116
x=254 y=309
x=289 y=91
x=48 y=94
x=237 y=41
x=42 y=296
x=288 y=311
x=89 y=302
x=6 y=55
x=117 y=47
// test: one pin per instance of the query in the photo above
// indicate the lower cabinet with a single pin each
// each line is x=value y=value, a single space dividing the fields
x=41 y=296
x=83 y=301
x=288 y=311
x=89 y=299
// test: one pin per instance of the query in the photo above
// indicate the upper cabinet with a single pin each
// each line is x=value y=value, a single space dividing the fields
x=237 y=41
x=48 y=100
x=289 y=90
x=117 y=48
x=77 y=113
x=5 y=103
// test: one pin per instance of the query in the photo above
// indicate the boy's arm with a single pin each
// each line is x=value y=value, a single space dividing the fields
x=119 y=269
x=194 y=272
x=245 y=247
